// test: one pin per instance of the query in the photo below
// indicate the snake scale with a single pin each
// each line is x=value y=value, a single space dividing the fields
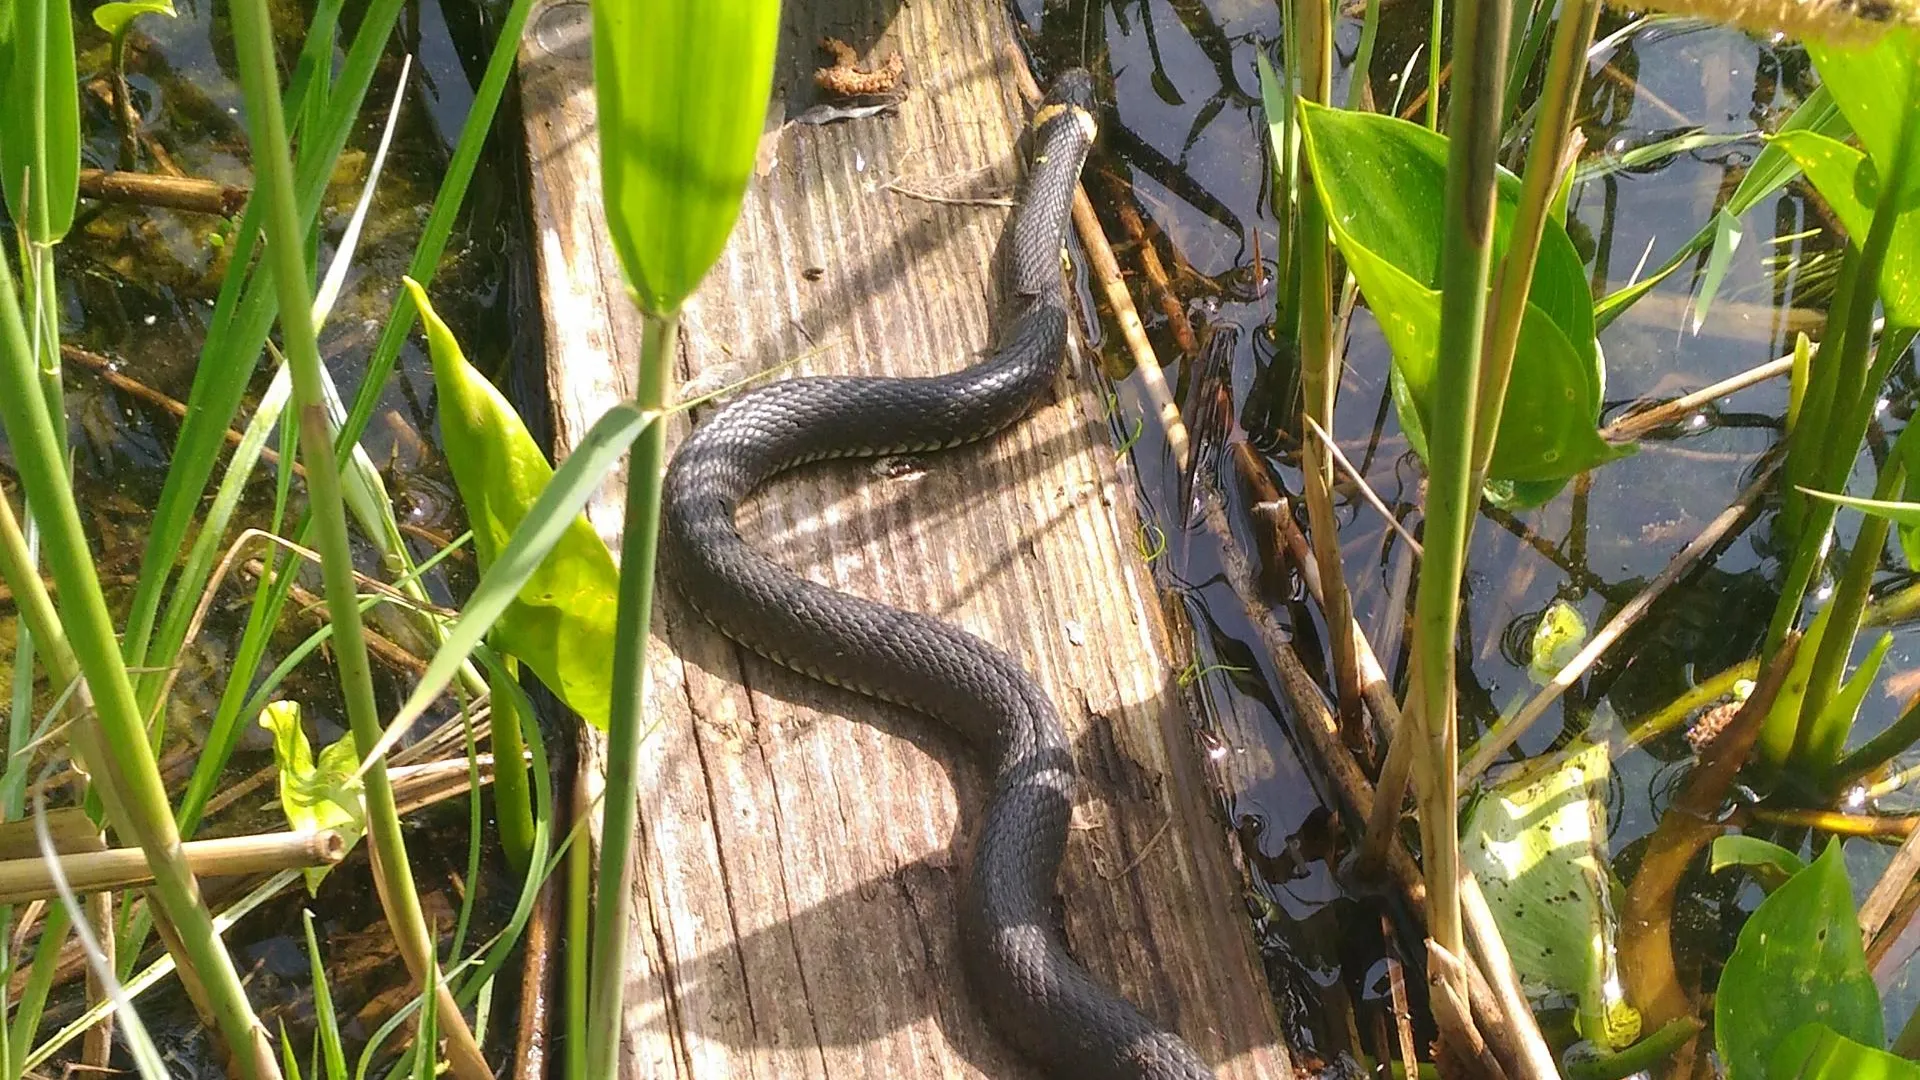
x=1033 y=992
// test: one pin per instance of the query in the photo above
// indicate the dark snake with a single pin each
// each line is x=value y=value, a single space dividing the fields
x=1034 y=993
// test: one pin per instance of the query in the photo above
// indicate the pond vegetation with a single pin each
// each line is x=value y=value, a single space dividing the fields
x=1641 y=662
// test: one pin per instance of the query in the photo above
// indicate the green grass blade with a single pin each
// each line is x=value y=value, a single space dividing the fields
x=40 y=127
x=440 y=219
x=233 y=346
x=326 y=1022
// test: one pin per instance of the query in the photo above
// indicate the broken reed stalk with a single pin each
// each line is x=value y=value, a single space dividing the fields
x=23 y=880
x=166 y=192
x=1633 y=425
x=1506 y=732
x=1446 y=975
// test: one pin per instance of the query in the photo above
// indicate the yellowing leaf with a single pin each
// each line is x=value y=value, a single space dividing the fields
x=314 y=796
x=1537 y=845
x=560 y=624
x=115 y=16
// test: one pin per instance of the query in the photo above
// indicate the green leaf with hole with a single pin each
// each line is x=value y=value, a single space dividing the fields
x=1849 y=183
x=1816 y=1052
x=1382 y=181
x=1537 y=846
x=40 y=123
x=560 y=623
x=682 y=92
x=1799 y=958
x=116 y=16
x=315 y=795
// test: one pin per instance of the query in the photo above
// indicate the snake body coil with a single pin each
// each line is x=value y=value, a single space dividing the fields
x=1038 y=997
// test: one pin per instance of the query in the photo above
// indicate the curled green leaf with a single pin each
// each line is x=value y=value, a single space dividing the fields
x=315 y=795
x=560 y=622
x=116 y=16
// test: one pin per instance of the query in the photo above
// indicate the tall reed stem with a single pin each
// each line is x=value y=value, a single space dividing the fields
x=1466 y=254
x=274 y=168
x=1320 y=371
x=613 y=889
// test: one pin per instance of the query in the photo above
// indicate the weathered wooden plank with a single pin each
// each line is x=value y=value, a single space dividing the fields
x=801 y=846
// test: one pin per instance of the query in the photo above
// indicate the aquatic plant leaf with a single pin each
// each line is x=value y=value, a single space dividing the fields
x=1850 y=184
x=1381 y=180
x=1817 y=1052
x=1557 y=639
x=1777 y=731
x=1872 y=83
x=560 y=623
x=1537 y=846
x=683 y=91
x=1829 y=736
x=114 y=17
x=315 y=795
x=1798 y=956
x=36 y=39
x=1770 y=862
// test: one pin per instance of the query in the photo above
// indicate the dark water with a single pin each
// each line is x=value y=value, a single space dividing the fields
x=1184 y=146
x=138 y=286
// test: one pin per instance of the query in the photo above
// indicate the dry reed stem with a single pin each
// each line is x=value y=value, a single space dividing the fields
x=22 y=880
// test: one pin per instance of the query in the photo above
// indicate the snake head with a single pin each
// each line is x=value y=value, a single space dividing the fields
x=1069 y=99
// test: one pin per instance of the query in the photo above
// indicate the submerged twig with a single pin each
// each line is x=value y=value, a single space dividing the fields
x=1507 y=731
x=167 y=192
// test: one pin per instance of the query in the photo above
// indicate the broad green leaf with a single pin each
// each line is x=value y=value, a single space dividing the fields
x=1871 y=83
x=1850 y=184
x=1816 y=1052
x=683 y=91
x=40 y=123
x=1538 y=848
x=1770 y=862
x=115 y=16
x=1798 y=957
x=550 y=519
x=1382 y=181
x=560 y=622
x=315 y=795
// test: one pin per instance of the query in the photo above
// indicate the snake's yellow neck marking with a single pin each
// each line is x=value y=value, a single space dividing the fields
x=1047 y=113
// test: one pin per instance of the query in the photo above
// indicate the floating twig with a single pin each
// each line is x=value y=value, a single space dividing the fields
x=1720 y=529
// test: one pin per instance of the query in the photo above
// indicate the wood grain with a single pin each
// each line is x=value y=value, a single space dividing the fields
x=801 y=846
